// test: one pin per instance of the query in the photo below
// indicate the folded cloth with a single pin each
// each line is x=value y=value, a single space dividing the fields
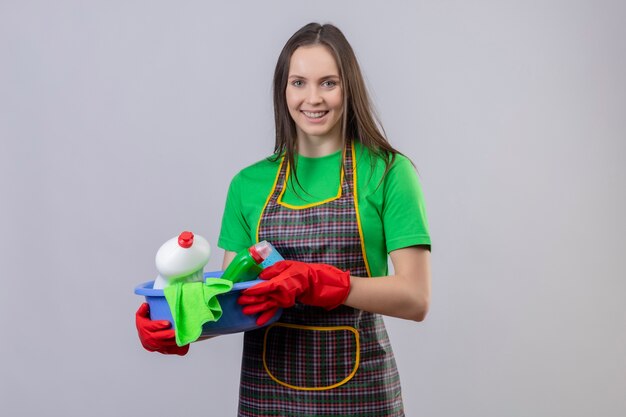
x=194 y=303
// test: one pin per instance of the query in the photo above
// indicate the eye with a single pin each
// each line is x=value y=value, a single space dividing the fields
x=329 y=83
x=297 y=83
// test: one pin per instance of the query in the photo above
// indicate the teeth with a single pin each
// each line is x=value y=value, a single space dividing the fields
x=314 y=115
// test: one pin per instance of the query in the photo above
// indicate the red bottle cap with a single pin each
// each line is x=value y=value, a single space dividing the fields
x=185 y=240
x=255 y=255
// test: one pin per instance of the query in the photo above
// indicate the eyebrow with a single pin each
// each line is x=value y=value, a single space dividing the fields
x=321 y=78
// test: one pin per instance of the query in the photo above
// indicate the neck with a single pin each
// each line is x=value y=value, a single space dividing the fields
x=318 y=146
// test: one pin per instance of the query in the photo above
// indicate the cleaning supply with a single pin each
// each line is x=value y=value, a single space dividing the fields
x=319 y=285
x=233 y=319
x=248 y=264
x=193 y=304
x=269 y=253
x=182 y=259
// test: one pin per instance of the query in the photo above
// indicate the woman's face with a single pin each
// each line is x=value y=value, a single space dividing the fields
x=314 y=93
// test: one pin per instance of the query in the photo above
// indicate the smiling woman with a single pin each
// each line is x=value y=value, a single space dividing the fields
x=335 y=199
x=315 y=100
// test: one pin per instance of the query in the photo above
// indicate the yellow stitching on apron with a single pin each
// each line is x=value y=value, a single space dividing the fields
x=318 y=328
x=269 y=196
x=293 y=207
x=356 y=209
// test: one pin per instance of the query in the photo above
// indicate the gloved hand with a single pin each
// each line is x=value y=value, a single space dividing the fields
x=318 y=285
x=156 y=335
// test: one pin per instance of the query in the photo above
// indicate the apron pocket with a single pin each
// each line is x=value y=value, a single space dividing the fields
x=311 y=358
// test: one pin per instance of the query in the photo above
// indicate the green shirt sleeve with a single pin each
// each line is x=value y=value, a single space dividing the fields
x=404 y=211
x=245 y=200
x=235 y=233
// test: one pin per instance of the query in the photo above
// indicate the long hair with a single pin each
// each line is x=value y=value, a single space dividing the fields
x=359 y=121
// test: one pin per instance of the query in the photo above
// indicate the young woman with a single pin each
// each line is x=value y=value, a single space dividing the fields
x=335 y=199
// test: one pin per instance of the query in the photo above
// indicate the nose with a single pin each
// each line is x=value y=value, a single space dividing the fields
x=313 y=96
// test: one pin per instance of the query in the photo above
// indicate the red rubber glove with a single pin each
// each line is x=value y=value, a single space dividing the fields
x=318 y=285
x=156 y=335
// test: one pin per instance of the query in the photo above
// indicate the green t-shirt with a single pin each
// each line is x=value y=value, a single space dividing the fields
x=392 y=212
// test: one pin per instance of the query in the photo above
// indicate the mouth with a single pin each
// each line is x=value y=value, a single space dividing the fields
x=314 y=115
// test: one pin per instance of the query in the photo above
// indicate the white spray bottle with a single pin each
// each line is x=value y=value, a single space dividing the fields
x=182 y=259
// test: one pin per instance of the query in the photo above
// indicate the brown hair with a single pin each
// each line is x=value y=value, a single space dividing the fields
x=358 y=121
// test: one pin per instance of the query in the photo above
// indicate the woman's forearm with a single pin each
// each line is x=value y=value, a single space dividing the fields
x=390 y=296
x=404 y=295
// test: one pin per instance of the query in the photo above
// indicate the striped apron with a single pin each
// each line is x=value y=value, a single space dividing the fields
x=315 y=362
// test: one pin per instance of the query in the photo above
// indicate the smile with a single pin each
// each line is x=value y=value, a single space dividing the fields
x=314 y=115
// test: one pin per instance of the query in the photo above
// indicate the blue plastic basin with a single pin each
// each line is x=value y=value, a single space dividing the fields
x=233 y=320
